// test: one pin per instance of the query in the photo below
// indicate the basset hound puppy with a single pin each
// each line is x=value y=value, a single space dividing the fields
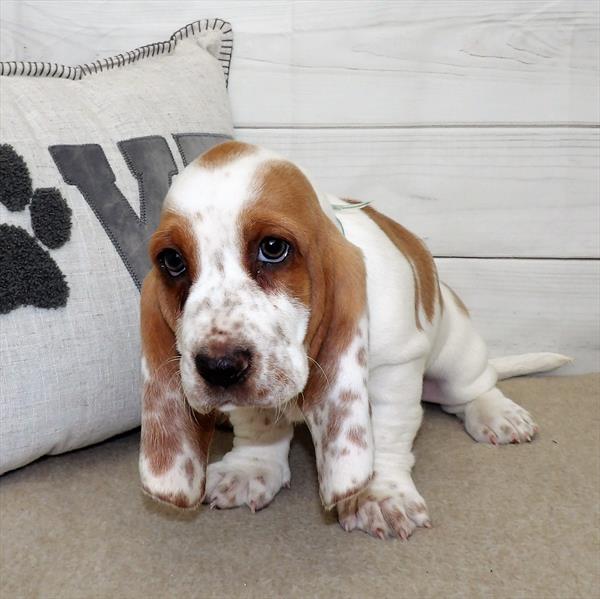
x=274 y=303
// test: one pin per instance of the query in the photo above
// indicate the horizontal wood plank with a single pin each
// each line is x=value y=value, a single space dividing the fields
x=531 y=192
x=523 y=306
x=358 y=63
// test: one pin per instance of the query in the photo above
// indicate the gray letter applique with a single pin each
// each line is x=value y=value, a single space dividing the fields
x=150 y=161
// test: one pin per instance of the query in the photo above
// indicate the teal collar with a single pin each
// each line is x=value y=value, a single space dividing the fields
x=341 y=207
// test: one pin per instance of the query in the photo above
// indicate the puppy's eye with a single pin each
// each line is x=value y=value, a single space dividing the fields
x=171 y=261
x=273 y=250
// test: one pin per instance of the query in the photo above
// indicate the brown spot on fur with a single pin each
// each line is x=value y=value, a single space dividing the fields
x=160 y=446
x=225 y=153
x=189 y=471
x=419 y=258
x=267 y=421
x=279 y=332
x=418 y=508
x=260 y=500
x=179 y=499
x=332 y=452
x=394 y=516
x=358 y=436
x=220 y=261
x=337 y=497
x=347 y=396
x=336 y=417
x=226 y=488
x=361 y=357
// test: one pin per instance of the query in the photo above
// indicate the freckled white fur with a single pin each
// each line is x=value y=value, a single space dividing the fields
x=341 y=463
x=175 y=479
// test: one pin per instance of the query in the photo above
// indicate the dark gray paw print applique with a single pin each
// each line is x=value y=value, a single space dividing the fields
x=29 y=276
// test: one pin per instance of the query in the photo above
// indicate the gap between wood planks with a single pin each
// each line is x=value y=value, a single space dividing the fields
x=578 y=258
x=558 y=125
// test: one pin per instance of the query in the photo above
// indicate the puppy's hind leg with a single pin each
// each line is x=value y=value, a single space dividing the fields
x=466 y=381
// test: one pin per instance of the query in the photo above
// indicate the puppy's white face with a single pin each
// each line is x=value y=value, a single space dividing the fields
x=232 y=252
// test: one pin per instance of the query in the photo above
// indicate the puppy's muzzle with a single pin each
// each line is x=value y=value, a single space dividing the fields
x=226 y=369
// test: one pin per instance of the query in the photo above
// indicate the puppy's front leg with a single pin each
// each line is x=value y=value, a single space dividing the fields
x=391 y=506
x=254 y=471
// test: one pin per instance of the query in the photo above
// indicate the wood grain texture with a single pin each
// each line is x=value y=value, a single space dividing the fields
x=465 y=191
x=355 y=63
x=532 y=305
x=398 y=102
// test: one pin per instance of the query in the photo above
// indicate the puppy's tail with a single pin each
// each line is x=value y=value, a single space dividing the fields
x=509 y=366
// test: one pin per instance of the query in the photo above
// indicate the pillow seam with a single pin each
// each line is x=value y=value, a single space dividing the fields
x=76 y=73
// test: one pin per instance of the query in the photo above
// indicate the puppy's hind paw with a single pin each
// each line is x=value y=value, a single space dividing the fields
x=495 y=419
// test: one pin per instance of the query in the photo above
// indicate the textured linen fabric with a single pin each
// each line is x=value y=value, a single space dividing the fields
x=70 y=376
x=515 y=521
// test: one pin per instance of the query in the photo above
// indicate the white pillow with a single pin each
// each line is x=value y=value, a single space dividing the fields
x=87 y=154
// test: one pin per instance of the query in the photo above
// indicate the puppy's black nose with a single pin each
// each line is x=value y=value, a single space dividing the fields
x=225 y=370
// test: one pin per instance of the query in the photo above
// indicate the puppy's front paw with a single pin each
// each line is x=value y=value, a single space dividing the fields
x=497 y=420
x=231 y=483
x=385 y=510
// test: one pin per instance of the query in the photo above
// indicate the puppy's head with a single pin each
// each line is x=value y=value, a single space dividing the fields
x=236 y=250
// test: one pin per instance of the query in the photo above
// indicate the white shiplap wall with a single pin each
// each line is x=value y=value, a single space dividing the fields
x=475 y=123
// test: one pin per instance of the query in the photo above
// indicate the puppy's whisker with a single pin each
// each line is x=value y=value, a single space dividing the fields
x=320 y=368
x=279 y=411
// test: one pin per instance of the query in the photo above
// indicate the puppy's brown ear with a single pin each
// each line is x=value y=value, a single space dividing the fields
x=175 y=439
x=336 y=402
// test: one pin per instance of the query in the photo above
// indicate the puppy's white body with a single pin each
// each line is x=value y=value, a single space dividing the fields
x=451 y=350
x=414 y=352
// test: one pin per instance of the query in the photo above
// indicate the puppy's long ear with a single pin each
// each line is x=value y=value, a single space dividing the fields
x=336 y=403
x=175 y=439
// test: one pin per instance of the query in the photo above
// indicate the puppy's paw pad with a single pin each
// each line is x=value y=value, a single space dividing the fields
x=232 y=485
x=389 y=511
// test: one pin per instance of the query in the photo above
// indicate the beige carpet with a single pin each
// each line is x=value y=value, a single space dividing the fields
x=518 y=521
